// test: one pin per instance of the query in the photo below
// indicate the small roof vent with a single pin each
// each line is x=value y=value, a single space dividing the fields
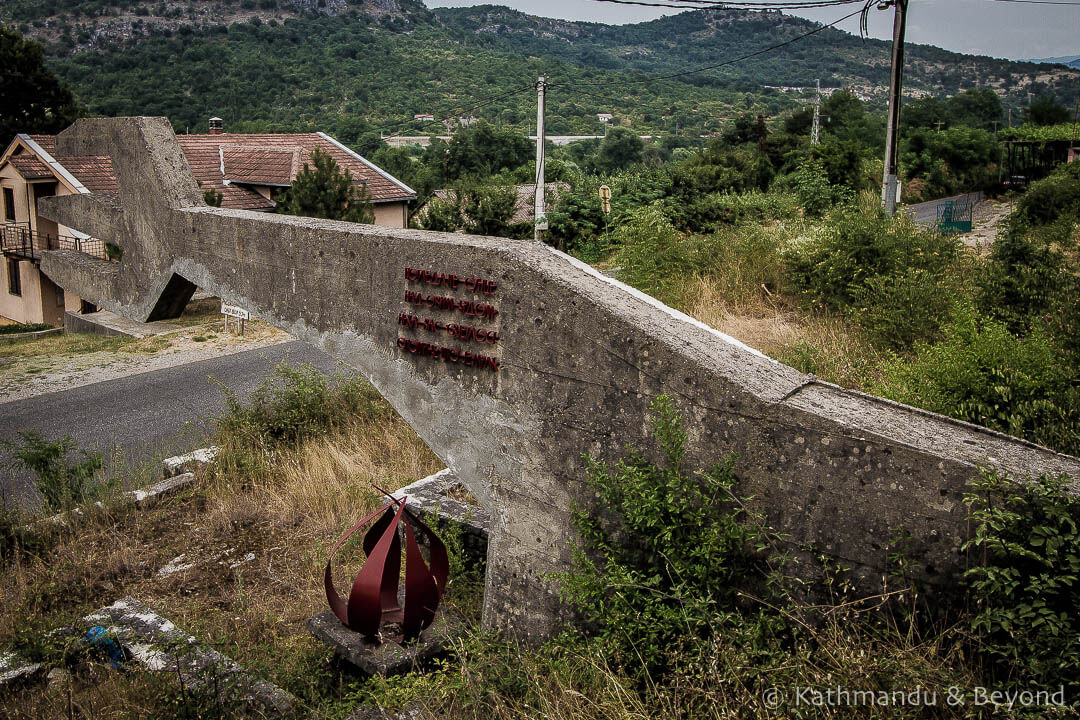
x=217 y=126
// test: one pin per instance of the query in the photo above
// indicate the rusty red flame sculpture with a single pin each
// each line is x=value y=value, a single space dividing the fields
x=373 y=600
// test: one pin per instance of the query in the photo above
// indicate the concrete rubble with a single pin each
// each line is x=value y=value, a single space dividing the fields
x=158 y=645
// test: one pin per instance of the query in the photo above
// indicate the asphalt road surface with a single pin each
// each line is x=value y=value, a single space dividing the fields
x=140 y=419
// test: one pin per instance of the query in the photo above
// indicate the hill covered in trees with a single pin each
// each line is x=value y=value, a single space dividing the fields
x=358 y=66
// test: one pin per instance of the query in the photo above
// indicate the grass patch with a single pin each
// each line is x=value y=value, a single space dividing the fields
x=257 y=542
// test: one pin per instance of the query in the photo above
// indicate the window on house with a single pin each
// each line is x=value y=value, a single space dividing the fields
x=59 y=297
x=9 y=204
x=14 y=282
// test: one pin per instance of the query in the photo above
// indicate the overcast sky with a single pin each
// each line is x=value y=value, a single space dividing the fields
x=983 y=27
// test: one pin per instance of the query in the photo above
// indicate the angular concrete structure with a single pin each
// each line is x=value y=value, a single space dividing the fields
x=511 y=359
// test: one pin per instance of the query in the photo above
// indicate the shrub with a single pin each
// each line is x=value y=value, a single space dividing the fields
x=653 y=256
x=1025 y=275
x=858 y=243
x=982 y=373
x=22 y=328
x=1024 y=583
x=661 y=572
x=810 y=183
x=62 y=482
x=297 y=403
x=1049 y=199
x=897 y=310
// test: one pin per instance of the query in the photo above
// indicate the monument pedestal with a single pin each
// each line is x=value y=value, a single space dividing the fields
x=388 y=657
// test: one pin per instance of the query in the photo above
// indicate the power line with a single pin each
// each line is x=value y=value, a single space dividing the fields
x=694 y=71
x=737 y=4
x=459 y=111
x=1035 y=2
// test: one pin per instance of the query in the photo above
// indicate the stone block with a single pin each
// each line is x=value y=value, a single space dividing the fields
x=158 y=645
x=387 y=658
x=190 y=462
x=17 y=672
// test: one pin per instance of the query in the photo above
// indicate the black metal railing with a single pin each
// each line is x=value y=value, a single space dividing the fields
x=18 y=240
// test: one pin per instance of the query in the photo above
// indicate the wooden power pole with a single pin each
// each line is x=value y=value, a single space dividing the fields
x=889 y=185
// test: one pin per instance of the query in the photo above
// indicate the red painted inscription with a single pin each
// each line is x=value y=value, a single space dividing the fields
x=439 y=279
x=461 y=332
x=449 y=354
x=443 y=302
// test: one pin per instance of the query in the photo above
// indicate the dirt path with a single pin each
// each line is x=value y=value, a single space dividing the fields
x=985 y=224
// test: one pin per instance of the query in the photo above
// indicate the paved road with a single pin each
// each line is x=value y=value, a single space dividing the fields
x=926 y=213
x=144 y=417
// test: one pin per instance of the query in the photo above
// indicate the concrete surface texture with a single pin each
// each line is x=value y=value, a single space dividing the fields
x=511 y=359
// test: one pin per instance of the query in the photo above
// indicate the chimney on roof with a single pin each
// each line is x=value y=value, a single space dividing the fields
x=217 y=126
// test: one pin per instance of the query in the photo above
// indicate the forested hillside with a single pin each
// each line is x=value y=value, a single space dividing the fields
x=354 y=66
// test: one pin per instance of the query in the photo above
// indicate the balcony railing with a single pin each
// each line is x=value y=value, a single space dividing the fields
x=18 y=240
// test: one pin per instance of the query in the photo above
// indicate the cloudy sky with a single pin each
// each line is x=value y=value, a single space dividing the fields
x=984 y=27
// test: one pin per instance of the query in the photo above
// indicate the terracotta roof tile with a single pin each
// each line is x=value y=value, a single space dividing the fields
x=259 y=166
x=30 y=166
x=47 y=142
x=255 y=158
x=95 y=172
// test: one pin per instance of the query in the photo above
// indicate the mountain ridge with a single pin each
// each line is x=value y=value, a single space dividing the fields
x=353 y=66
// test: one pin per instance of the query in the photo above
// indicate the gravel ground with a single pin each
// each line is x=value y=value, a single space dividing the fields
x=985 y=223
x=70 y=371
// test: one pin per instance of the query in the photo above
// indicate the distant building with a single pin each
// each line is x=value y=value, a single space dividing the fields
x=247 y=169
x=604 y=117
x=423 y=116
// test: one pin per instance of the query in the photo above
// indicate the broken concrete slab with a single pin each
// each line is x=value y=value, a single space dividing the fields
x=161 y=489
x=158 y=645
x=191 y=462
x=141 y=499
x=387 y=658
x=17 y=672
x=432 y=495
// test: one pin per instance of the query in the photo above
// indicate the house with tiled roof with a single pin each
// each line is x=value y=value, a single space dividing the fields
x=248 y=170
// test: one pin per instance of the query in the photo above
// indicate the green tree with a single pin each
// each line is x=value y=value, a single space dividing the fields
x=976 y=109
x=481 y=151
x=1045 y=110
x=32 y=100
x=620 y=149
x=325 y=192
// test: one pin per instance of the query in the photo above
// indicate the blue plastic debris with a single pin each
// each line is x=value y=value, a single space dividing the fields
x=99 y=637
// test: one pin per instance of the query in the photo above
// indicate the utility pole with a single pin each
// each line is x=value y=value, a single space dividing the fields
x=815 y=132
x=540 y=217
x=889 y=182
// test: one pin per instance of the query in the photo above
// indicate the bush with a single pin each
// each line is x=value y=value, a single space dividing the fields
x=859 y=243
x=1025 y=584
x=810 y=183
x=297 y=403
x=1049 y=199
x=23 y=327
x=63 y=483
x=661 y=571
x=653 y=256
x=982 y=373
x=1026 y=276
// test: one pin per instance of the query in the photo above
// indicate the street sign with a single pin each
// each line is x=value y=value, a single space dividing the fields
x=605 y=199
x=234 y=311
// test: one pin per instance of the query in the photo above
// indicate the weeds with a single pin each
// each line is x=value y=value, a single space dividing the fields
x=62 y=482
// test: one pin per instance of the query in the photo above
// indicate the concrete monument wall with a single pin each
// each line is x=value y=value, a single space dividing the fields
x=511 y=360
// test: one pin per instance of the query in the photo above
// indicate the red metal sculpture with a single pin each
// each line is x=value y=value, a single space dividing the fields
x=373 y=600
